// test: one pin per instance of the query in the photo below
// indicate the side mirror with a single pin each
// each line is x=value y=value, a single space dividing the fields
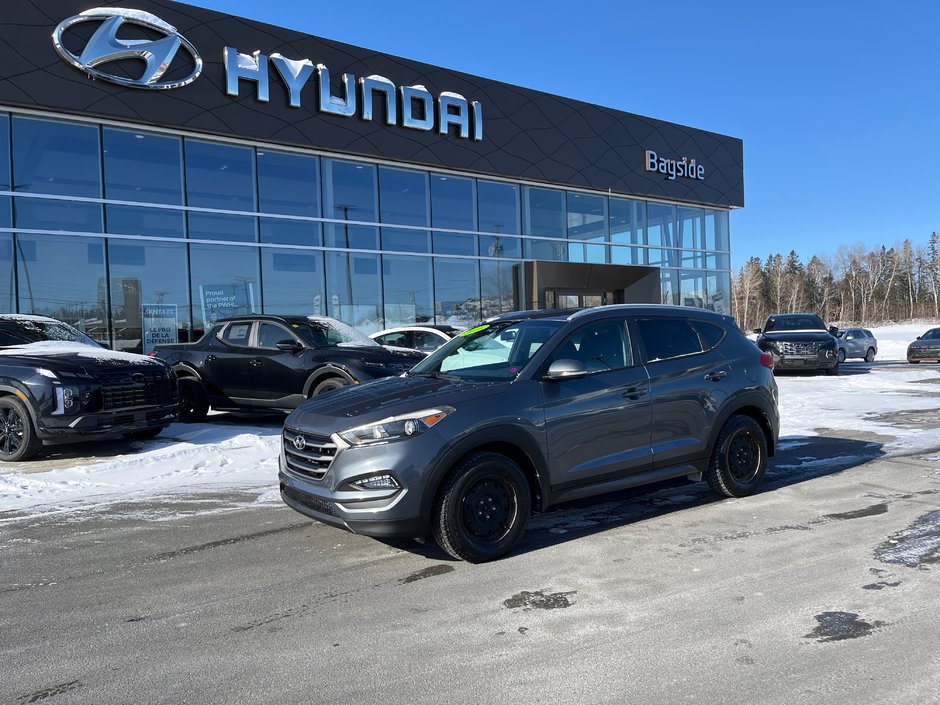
x=758 y=330
x=289 y=346
x=917 y=338
x=566 y=369
x=834 y=331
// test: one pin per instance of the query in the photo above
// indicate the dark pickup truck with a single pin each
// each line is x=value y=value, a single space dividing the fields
x=263 y=362
x=59 y=385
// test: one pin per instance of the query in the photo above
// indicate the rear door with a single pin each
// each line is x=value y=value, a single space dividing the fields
x=597 y=427
x=689 y=383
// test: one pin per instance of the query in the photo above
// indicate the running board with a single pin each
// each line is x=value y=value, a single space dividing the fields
x=624 y=483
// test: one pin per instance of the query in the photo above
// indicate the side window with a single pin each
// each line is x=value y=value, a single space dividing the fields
x=236 y=333
x=600 y=346
x=710 y=334
x=426 y=342
x=270 y=334
x=666 y=338
x=399 y=340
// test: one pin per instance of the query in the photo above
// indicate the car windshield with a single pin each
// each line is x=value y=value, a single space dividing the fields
x=932 y=334
x=23 y=331
x=321 y=332
x=490 y=352
x=794 y=322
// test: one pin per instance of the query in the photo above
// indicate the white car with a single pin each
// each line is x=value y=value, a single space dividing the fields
x=425 y=339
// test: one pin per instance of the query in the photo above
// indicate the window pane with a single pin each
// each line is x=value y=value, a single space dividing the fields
x=56 y=157
x=660 y=229
x=63 y=277
x=142 y=167
x=669 y=281
x=500 y=246
x=718 y=287
x=149 y=294
x=6 y=206
x=408 y=292
x=666 y=338
x=157 y=222
x=544 y=214
x=219 y=176
x=452 y=204
x=290 y=232
x=7 y=280
x=455 y=243
x=293 y=282
x=457 y=291
x=356 y=237
x=498 y=207
x=691 y=235
x=215 y=226
x=496 y=287
x=403 y=195
x=626 y=228
x=224 y=283
x=394 y=240
x=349 y=191
x=716 y=230
x=600 y=346
x=692 y=291
x=39 y=214
x=354 y=289
x=288 y=184
x=587 y=220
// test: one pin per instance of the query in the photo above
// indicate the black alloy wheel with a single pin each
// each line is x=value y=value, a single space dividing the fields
x=328 y=385
x=194 y=402
x=739 y=458
x=18 y=439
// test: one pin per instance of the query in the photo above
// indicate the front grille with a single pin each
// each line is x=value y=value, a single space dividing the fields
x=798 y=348
x=316 y=504
x=314 y=456
x=137 y=386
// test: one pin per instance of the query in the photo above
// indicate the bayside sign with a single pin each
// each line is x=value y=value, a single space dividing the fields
x=685 y=168
x=413 y=107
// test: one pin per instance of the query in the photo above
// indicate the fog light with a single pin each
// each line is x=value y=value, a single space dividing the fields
x=378 y=482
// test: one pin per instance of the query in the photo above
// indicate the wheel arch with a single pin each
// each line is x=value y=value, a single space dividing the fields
x=10 y=390
x=753 y=405
x=324 y=372
x=183 y=370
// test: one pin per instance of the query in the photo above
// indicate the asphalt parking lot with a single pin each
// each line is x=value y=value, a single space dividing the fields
x=824 y=588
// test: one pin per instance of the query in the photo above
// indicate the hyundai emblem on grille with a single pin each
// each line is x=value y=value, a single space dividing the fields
x=300 y=442
x=138 y=378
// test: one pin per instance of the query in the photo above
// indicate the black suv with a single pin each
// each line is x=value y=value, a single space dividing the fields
x=529 y=410
x=265 y=362
x=58 y=385
x=800 y=341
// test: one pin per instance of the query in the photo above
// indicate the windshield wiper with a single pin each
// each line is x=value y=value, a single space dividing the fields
x=435 y=375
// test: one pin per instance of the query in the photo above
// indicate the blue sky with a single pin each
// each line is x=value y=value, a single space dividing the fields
x=838 y=102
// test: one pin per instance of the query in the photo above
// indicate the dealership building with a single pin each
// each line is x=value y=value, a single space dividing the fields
x=163 y=166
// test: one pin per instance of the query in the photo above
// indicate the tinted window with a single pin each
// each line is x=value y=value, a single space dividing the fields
x=794 y=322
x=56 y=157
x=142 y=167
x=400 y=339
x=354 y=289
x=6 y=210
x=932 y=334
x=237 y=333
x=626 y=227
x=456 y=291
x=403 y=196
x=710 y=334
x=219 y=176
x=288 y=184
x=498 y=207
x=293 y=281
x=426 y=342
x=600 y=346
x=666 y=338
x=348 y=190
x=408 y=292
x=660 y=229
x=452 y=202
x=270 y=334
x=224 y=282
x=216 y=226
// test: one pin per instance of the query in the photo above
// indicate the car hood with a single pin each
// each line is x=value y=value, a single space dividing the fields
x=366 y=403
x=378 y=353
x=74 y=358
x=796 y=336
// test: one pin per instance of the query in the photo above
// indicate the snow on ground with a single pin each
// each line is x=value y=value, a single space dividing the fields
x=212 y=457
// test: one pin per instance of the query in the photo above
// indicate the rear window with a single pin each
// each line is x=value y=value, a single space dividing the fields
x=667 y=338
x=710 y=334
x=237 y=333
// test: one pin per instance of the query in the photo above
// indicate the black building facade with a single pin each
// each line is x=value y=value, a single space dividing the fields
x=162 y=166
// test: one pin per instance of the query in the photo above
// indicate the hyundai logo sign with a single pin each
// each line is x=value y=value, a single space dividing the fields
x=105 y=47
x=299 y=442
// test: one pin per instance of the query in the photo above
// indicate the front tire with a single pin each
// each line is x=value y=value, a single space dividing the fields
x=482 y=510
x=739 y=459
x=18 y=439
x=328 y=385
x=841 y=355
x=194 y=402
x=833 y=371
x=870 y=355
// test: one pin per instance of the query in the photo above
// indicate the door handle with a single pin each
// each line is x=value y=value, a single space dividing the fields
x=716 y=375
x=255 y=363
x=210 y=358
x=634 y=393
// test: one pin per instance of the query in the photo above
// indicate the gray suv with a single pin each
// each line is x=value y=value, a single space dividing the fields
x=857 y=342
x=529 y=410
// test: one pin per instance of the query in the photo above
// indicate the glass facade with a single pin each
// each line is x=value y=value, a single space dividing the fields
x=116 y=229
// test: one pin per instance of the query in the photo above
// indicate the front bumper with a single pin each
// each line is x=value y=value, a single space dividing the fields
x=69 y=428
x=820 y=361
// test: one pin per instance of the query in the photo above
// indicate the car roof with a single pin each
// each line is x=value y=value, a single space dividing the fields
x=273 y=317
x=573 y=314
x=438 y=328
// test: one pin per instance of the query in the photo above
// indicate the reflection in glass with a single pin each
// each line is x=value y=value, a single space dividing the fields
x=718 y=288
x=288 y=184
x=403 y=196
x=224 y=283
x=215 y=226
x=544 y=214
x=498 y=207
x=587 y=220
x=56 y=157
x=219 y=176
x=691 y=235
x=716 y=230
x=408 y=292
x=454 y=243
x=6 y=205
x=452 y=204
x=62 y=277
x=497 y=288
x=139 y=166
x=290 y=232
x=356 y=237
x=669 y=280
x=457 y=292
x=354 y=289
x=394 y=240
x=156 y=222
x=7 y=278
x=40 y=214
x=692 y=292
x=660 y=229
x=293 y=282
x=349 y=190
x=149 y=294
x=500 y=246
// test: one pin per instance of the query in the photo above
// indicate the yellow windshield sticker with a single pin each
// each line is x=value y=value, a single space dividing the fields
x=471 y=331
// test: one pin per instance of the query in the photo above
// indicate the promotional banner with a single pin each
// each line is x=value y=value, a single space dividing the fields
x=159 y=325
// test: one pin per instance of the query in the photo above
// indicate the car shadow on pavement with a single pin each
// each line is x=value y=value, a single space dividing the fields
x=800 y=459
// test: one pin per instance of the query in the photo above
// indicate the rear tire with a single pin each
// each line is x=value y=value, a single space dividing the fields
x=914 y=362
x=194 y=402
x=328 y=385
x=739 y=459
x=833 y=371
x=481 y=512
x=18 y=439
x=870 y=355
x=841 y=355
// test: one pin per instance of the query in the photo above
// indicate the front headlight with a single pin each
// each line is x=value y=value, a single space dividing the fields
x=396 y=428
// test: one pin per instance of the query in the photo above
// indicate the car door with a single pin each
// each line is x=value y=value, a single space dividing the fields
x=851 y=343
x=689 y=383
x=428 y=341
x=280 y=374
x=597 y=427
x=228 y=367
